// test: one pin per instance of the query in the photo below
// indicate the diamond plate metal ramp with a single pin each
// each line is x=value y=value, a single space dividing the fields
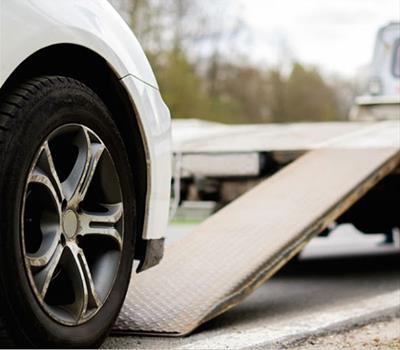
x=245 y=243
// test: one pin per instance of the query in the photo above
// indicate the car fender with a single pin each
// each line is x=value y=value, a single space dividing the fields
x=30 y=25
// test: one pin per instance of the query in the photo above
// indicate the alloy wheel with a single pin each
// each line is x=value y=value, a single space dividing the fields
x=72 y=224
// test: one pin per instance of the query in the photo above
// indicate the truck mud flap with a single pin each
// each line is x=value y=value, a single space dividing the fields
x=241 y=246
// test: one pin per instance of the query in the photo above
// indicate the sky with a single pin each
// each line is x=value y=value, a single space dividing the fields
x=337 y=36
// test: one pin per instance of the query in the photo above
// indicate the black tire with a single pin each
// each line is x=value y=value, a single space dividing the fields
x=28 y=115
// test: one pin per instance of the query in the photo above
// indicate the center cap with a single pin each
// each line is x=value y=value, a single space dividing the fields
x=70 y=223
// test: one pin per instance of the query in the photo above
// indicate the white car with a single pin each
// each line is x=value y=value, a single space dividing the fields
x=84 y=169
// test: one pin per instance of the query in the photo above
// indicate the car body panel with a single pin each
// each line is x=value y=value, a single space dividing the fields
x=148 y=101
x=93 y=24
x=27 y=26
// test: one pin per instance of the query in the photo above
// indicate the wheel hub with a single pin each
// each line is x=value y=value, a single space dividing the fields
x=70 y=223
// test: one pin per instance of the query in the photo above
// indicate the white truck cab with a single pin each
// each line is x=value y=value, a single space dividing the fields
x=382 y=100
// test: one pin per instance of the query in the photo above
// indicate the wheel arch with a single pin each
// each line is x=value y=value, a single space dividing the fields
x=90 y=68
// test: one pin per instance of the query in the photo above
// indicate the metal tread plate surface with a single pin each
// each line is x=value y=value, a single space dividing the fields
x=239 y=247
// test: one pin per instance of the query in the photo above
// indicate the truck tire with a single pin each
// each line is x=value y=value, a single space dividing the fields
x=67 y=216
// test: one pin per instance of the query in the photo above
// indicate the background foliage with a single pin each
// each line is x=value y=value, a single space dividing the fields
x=194 y=48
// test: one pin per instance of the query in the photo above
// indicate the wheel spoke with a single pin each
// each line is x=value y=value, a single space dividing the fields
x=96 y=223
x=44 y=276
x=38 y=176
x=46 y=162
x=93 y=299
x=46 y=251
x=85 y=293
x=77 y=183
x=48 y=219
x=45 y=173
x=96 y=151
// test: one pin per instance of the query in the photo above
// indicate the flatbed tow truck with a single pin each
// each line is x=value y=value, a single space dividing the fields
x=245 y=243
x=303 y=178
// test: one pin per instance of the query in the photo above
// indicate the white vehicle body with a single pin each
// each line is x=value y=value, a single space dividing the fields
x=383 y=98
x=30 y=27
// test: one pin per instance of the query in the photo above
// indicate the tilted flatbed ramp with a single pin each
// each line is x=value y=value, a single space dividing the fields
x=245 y=243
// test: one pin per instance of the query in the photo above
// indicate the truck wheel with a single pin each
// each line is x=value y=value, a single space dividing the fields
x=67 y=213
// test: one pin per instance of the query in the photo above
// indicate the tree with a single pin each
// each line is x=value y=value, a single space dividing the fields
x=245 y=87
x=186 y=42
x=277 y=95
x=309 y=97
x=182 y=87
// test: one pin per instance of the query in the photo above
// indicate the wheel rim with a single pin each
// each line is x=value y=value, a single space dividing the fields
x=72 y=224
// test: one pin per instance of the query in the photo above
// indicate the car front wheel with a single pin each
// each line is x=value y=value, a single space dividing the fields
x=67 y=215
